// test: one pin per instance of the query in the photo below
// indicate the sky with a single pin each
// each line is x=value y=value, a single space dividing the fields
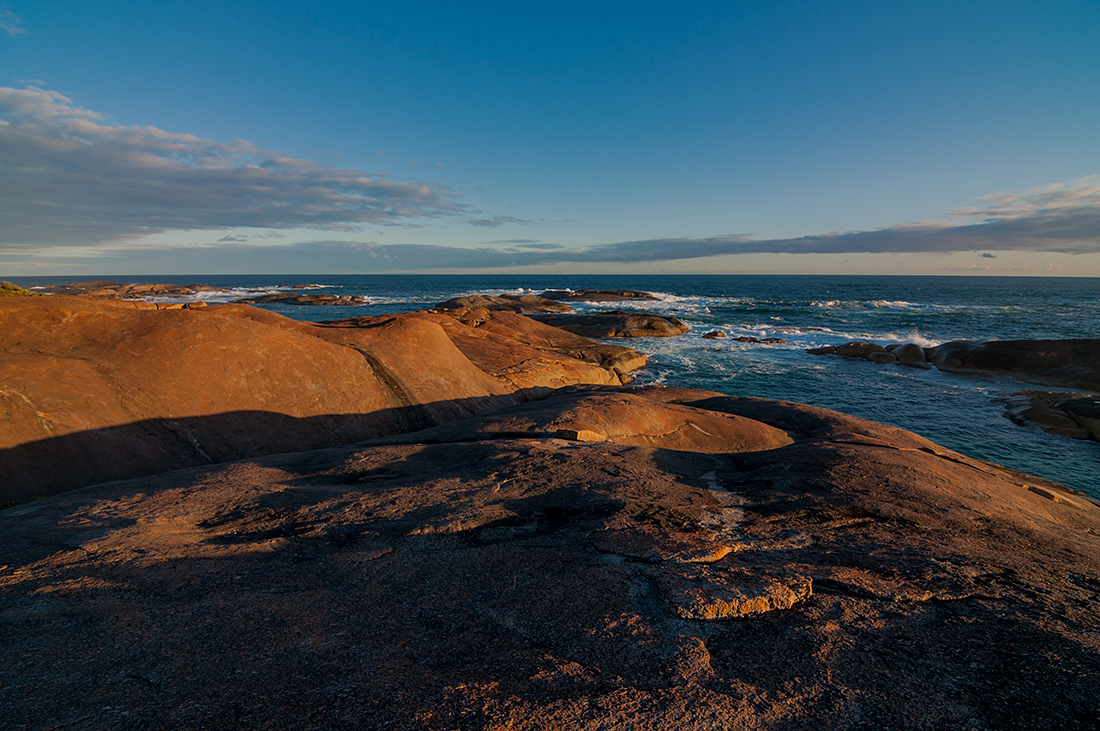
x=861 y=137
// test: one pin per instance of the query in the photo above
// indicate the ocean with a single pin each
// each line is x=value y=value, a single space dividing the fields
x=963 y=413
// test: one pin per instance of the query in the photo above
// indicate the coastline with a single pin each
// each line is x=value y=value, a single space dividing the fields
x=536 y=558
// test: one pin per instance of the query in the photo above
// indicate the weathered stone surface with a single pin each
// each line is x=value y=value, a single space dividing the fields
x=715 y=334
x=1072 y=363
x=510 y=302
x=472 y=580
x=93 y=391
x=617 y=324
x=823 y=350
x=596 y=295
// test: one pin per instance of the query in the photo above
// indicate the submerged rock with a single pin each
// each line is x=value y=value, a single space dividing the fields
x=1066 y=414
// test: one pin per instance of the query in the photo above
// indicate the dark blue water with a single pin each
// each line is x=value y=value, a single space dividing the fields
x=960 y=412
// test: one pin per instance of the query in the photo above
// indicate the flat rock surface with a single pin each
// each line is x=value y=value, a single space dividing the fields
x=93 y=390
x=819 y=572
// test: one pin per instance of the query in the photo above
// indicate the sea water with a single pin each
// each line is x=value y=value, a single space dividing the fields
x=962 y=412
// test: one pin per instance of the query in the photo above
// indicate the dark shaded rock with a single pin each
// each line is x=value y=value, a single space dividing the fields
x=525 y=303
x=1075 y=415
x=882 y=357
x=823 y=350
x=714 y=335
x=1072 y=363
x=617 y=324
x=859 y=349
x=596 y=295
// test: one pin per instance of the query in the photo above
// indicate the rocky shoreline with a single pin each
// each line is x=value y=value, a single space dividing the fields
x=462 y=519
x=1067 y=363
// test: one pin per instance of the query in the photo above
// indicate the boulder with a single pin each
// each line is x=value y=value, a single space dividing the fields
x=882 y=357
x=714 y=335
x=596 y=295
x=909 y=354
x=711 y=563
x=858 y=349
x=617 y=324
x=822 y=350
x=1071 y=363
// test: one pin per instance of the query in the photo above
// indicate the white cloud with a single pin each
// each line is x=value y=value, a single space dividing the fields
x=71 y=177
x=11 y=24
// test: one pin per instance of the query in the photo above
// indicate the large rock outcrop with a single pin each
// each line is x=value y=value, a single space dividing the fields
x=93 y=391
x=708 y=562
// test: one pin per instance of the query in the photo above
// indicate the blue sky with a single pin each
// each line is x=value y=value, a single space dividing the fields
x=861 y=137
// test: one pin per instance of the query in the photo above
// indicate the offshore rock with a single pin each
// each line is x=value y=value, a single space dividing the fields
x=314 y=300
x=1072 y=363
x=523 y=303
x=596 y=295
x=617 y=324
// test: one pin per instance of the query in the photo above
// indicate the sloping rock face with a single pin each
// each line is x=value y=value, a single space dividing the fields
x=94 y=391
x=617 y=324
x=529 y=356
x=818 y=572
x=1072 y=363
x=509 y=302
